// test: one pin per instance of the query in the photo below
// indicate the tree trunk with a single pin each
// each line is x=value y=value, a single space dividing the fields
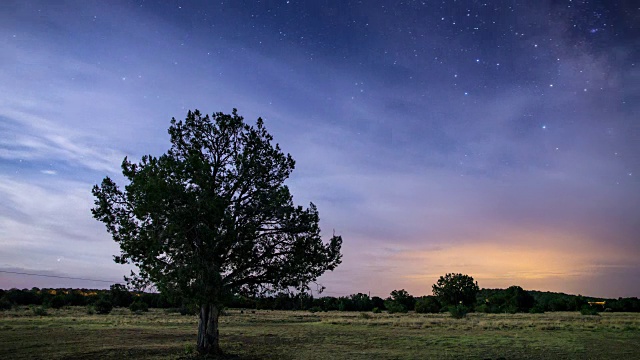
x=208 y=336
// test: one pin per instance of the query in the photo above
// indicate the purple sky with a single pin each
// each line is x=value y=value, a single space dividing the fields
x=497 y=139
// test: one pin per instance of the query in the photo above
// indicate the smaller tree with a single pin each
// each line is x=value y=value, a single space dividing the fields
x=361 y=302
x=400 y=301
x=404 y=298
x=378 y=302
x=455 y=289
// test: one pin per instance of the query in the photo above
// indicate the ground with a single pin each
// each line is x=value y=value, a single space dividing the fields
x=71 y=333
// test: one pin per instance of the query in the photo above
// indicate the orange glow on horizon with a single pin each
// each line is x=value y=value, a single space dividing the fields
x=542 y=262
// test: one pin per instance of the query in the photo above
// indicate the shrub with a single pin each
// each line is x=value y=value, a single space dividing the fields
x=395 y=307
x=189 y=310
x=40 y=311
x=189 y=349
x=536 y=309
x=90 y=310
x=428 y=304
x=56 y=302
x=458 y=311
x=5 y=304
x=376 y=310
x=103 y=306
x=315 y=309
x=589 y=310
x=139 y=306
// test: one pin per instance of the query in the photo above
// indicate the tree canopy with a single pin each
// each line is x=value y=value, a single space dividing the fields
x=212 y=217
x=454 y=289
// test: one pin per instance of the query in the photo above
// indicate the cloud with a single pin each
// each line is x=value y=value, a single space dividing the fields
x=31 y=138
x=43 y=222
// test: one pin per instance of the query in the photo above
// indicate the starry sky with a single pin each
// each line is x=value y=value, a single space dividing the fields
x=500 y=139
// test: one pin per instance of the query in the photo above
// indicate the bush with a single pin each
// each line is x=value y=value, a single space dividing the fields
x=139 y=306
x=376 y=310
x=5 y=304
x=589 y=311
x=189 y=310
x=458 y=311
x=536 y=309
x=427 y=304
x=315 y=309
x=103 y=306
x=56 y=302
x=90 y=310
x=40 y=311
x=394 y=307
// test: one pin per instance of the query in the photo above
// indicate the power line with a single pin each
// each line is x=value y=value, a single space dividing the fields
x=56 y=276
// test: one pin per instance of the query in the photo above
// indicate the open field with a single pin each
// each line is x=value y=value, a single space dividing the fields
x=71 y=333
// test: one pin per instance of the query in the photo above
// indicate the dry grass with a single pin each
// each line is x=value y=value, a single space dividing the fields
x=72 y=334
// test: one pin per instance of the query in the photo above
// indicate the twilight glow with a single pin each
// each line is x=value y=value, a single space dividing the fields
x=496 y=139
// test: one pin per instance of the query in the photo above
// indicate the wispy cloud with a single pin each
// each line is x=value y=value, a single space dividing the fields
x=43 y=223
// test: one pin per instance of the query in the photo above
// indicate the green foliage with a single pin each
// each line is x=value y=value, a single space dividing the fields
x=404 y=298
x=458 y=311
x=536 y=309
x=189 y=349
x=75 y=298
x=454 y=289
x=103 y=306
x=91 y=310
x=376 y=310
x=631 y=304
x=190 y=309
x=23 y=297
x=212 y=216
x=395 y=307
x=315 y=309
x=378 y=302
x=139 y=306
x=589 y=310
x=56 y=302
x=40 y=311
x=120 y=295
x=5 y=304
x=428 y=304
x=361 y=302
x=511 y=300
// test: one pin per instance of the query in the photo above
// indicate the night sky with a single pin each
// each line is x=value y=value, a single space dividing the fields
x=499 y=139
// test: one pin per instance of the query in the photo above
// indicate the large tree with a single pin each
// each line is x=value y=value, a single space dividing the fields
x=212 y=217
x=454 y=289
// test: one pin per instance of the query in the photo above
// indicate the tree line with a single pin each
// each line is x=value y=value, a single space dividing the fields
x=465 y=299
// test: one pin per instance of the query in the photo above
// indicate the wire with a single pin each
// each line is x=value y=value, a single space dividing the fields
x=56 y=276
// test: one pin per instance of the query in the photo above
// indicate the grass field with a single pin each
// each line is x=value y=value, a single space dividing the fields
x=71 y=333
